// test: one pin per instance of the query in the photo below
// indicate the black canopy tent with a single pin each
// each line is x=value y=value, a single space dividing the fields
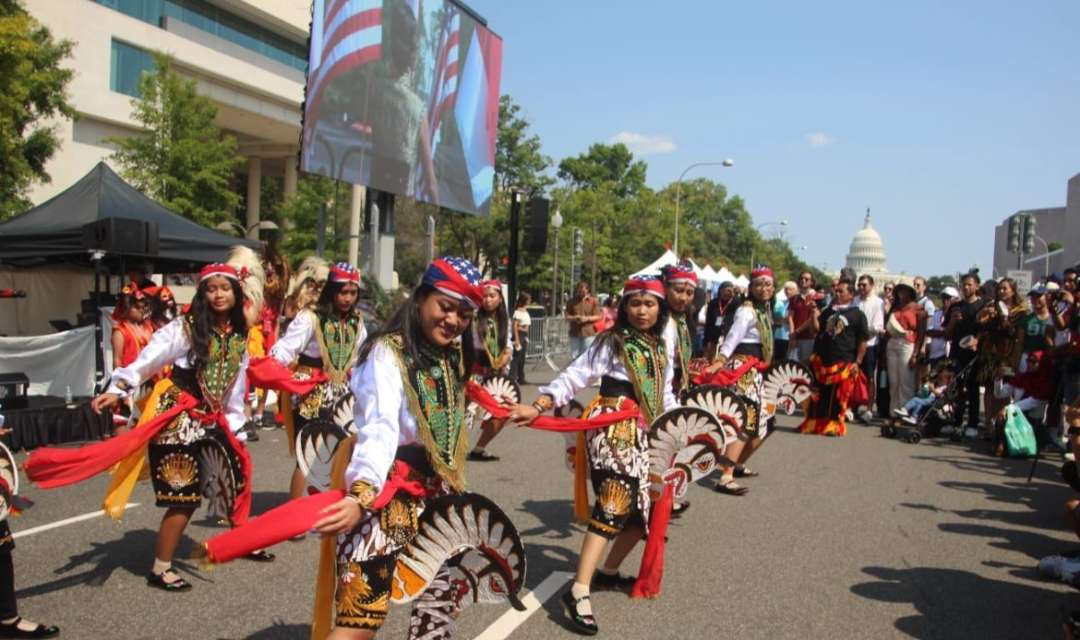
x=53 y=230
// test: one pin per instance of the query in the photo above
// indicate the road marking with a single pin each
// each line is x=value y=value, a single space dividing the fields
x=66 y=521
x=532 y=600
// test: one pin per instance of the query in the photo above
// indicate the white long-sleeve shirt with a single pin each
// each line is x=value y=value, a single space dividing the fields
x=586 y=370
x=170 y=346
x=874 y=309
x=743 y=331
x=381 y=417
x=300 y=339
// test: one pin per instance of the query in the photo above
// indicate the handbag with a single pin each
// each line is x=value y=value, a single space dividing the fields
x=860 y=392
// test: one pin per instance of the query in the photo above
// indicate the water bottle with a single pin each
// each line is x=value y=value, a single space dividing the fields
x=67 y=395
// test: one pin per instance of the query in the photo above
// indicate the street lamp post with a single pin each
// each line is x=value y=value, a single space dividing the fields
x=727 y=162
x=782 y=223
x=556 y=224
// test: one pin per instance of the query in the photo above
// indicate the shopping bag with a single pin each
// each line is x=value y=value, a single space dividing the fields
x=1019 y=436
x=860 y=391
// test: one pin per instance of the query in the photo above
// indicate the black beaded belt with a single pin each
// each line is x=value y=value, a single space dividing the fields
x=310 y=361
x=415 y=457
x=186 y=380
x=749 y=349
x=613 y=388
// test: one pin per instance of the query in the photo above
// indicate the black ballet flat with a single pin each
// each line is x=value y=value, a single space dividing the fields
x=12 y=630
x=262 y=555
x=481 y=456
x=157 y=580
x=679 y=508
x=585 y=625
x=615 y=581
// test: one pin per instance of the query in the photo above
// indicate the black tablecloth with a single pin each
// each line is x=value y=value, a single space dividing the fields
x=47 y=420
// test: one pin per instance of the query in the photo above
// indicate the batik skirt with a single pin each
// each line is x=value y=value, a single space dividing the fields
x=618 y=459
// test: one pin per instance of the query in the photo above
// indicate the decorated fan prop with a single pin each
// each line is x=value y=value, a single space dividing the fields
x=787 y=386
x=477 y=543
x=9 y=473
x=728 y=407
x=219 y=474
x=503 y=389
x=684 y=447
x=316 y=443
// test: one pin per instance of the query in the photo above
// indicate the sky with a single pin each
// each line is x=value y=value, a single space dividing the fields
x=943 y=117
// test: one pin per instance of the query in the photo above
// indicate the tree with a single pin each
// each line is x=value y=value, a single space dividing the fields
x=181 y=159
x=518 y=161
x=33 y=88
x=937 y=283
x=605 y=164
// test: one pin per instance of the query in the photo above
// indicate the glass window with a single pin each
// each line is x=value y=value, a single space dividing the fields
x=128 y=65
x=214 y=20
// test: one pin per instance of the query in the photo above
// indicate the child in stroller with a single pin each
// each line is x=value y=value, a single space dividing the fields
x=926 y=398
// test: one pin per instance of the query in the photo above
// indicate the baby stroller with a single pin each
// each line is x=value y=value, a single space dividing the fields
x=940 y=414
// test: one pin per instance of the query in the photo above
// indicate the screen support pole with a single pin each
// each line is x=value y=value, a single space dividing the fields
x=511 y=270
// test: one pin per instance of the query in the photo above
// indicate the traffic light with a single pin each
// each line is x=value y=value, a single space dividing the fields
x=579 y=242
x=1015 y=223
x=1029 y=234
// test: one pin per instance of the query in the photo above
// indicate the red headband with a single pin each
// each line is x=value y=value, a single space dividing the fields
x=680 y=274
x=494 y=284
x=762 y=272
x=644 y=285
x=344 y=272
x=219 y=269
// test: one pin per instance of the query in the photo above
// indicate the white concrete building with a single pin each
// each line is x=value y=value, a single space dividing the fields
x=249 y=56
x=866 y=256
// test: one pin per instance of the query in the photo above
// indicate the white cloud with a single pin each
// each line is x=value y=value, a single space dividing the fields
x=643 y=145
x=819 y=139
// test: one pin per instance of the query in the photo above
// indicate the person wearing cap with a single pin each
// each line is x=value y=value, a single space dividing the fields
x=632 y=364
x=746 y=352
x=839 y=350
x=324 y=338
x=715 y=312
x=905 y=333
x=410 y=444
x=1036 y=330
x=201 y=401
x=493 y=342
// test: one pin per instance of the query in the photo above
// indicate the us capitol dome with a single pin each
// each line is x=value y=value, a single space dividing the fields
x=866 y=255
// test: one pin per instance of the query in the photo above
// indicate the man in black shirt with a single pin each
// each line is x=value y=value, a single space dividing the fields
x=714 y=318
x=961 y=329
x=839 y=349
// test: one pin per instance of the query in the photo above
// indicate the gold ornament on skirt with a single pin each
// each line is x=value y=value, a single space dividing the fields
x=177 y=470
x=614 y=498
x=399 y=521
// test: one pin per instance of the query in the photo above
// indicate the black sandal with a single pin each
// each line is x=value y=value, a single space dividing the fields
x=12 y=630
x=262 y=555
x=616 y=581
x=481 y=456
x=157 y=580
x=743 y=472
x=730 y=488
x=679 y=508
x=585 y=625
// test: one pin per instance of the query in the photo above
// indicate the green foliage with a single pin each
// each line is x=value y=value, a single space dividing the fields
x=518 y=161
x=937 y=283
x=32 y=89
x=605 y=165
x=182 y=160
x=299 y=218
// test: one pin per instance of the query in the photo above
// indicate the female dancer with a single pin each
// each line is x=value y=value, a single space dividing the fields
x=410 y=407
x=746 y=351
x=207 y=350
x=131 y=327
x=264 y=333
x=631 y=362
x=324 y=339
x=491 y=340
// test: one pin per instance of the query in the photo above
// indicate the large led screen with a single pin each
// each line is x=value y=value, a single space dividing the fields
x=403 y=96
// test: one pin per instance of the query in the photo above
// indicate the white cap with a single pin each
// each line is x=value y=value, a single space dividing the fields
x=951 y=292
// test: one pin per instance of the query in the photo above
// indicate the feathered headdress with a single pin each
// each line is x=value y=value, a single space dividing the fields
x=314 y=267
x=252 y=277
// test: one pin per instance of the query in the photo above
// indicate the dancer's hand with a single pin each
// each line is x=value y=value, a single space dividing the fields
x=522 y=414
x=104 y=401
x=339 y=517
x=4 y=432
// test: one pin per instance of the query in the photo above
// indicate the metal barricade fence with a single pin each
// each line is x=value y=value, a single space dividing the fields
x=548 y=337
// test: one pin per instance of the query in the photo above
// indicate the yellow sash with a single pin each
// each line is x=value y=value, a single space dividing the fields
x=127 y=472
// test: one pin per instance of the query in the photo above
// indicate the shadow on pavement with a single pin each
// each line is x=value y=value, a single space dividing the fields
x=959 y=604
x=557 y=517
x=281 y=631
x=133 y=553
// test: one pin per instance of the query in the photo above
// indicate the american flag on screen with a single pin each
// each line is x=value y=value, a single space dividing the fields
x=444 y=87
x=351 y=35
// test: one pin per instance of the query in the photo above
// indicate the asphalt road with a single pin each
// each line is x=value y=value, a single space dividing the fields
x=855 y=537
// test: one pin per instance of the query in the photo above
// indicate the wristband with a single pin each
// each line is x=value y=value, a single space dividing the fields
x=543 y=403
x=362 y=493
